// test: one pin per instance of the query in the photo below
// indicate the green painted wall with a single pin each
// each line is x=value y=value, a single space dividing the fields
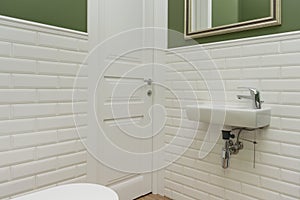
x=225 y=12
x=290 y=22
x=71 y=14
x=253 y=9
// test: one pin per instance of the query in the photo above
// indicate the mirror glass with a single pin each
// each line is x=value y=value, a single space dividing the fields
x=211 y=17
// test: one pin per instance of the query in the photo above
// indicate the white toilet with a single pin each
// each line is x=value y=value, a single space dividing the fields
x=82 y=191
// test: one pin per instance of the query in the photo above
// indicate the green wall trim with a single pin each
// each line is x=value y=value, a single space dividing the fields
x=70 y=14
x=290 y=22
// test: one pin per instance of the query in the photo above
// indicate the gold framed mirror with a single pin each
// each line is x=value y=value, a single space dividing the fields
x=214 y=17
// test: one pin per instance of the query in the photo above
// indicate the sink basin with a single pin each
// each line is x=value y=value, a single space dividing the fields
x=230 y=115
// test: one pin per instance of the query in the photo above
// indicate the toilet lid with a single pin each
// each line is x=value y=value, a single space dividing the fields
x=81 y=191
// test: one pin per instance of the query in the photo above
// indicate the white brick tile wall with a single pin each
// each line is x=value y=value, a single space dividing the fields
x=280 y=85
x=279 y=186
x=17 y=35
x=290 y=124
x=226 y=52
x=290 y=46
x=252 y=61
x=81 y=179
x=16 y=156
x=36 y=74
x=245 y=177
x=12 y=188
x=273 y=68
x=17 y=126
x=290 y=150
x=290 y=176
x=55 y=122
x=5 y=81
x=269 y=147
x=66 y=108
x=71 y=159
x=233 y=84
x=55 y=176
x=81 y=169
x=62 y=95
x=260 y=49
x=34 y=110
x=230 y=74
x=211 y=197
x=5 y=49
x=34 y=139
x=286 y=111
x=280 y=60
x=68 y=82
x=33 y=168
x=290 y=72
x=226 y=183
x=203 y=176
x=71 y=56
x=284 y=197
x=14 y=96
x=290 y=98
x=37 y=81
x=55 y=41
x=83 y=45
x=13 y=65
x=281 y=136
x=210 y=188
x=261 y=73
x=4 y=112
x=55 y=150
x=35 y=52
x=259 y=193
x=234 y=195
x=55 y=68
x=271 y=97
x=80 y=145
x=194 y=193
x=68 y=134
x=5 y=143
x=4 y=174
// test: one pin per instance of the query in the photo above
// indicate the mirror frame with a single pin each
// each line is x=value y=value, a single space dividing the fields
x=273 y=20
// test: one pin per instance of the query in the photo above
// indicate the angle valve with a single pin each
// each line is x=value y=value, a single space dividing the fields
x=227 y=135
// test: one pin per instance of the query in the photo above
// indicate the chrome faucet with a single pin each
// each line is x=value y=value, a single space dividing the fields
x=254 y=96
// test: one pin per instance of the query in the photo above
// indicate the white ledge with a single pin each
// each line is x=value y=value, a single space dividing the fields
x=39 y=27
x=242 y=41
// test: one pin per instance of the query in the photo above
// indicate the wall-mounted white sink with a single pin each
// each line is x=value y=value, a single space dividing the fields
x=230 y=115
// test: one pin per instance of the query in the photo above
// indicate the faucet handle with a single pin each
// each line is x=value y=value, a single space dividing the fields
x=252 y=90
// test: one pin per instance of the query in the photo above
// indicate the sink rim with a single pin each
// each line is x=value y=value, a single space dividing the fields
x=227 y=107
x=229 y=115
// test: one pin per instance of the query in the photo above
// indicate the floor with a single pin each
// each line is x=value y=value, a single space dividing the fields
x=153 y=197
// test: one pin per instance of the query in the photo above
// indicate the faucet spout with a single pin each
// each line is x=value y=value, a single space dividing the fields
x=244 y=97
